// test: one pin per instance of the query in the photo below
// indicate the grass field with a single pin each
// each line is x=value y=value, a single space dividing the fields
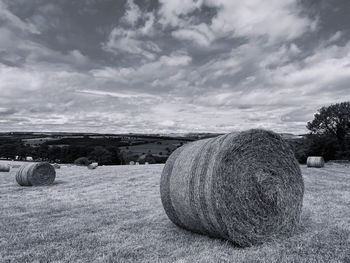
x=114 y=214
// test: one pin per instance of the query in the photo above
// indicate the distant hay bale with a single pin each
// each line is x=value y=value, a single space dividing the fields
x=244 y=187
x=4 y=167
x=315 y=161
x=92 y=166
x=146 y=163
x=35 y=174
x=131 y=163
x=137 y=163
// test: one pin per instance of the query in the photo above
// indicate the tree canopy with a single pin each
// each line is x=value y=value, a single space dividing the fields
x=333 y=121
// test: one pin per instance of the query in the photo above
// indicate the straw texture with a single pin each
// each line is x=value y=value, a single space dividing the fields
x=245 y=187
x=4 y=167
x=315 y=161
x=35 y=174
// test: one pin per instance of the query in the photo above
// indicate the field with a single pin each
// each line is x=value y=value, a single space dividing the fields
x=114 y=214
x=155 y=148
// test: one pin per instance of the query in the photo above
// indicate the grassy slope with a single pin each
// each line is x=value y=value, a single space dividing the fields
x=114 y=214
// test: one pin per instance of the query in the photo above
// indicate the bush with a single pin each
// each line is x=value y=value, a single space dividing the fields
x=82 y=161
x=326 y=146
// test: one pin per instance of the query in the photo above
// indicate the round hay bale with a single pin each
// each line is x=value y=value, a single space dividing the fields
x=246 y=187
x=35 y=174
x=92 y=166
x=131 y=163
x=315 y=161
x=4 y=167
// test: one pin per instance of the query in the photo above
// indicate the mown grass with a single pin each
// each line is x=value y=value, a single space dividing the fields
x=114 y=214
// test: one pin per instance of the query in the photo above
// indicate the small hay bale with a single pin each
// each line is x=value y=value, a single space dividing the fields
x=246 y=187
x=137 y=163
x=4 y=167
x=35 y=174
x=131 y=163
x=315 y=161
x=92 y=166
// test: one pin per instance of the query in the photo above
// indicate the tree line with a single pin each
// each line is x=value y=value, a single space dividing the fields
x=329 y=136
x=65 y=154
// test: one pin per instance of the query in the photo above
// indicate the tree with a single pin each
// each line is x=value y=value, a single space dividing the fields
x=82 y=161
x=116 y=158
x=101 y=155
x=333 y=121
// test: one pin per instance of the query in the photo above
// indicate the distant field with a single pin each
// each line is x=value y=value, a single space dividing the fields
x=155 y=148
x=114 y=214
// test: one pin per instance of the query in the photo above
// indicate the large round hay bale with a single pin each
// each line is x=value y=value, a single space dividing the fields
x=315 y=161
x=92 y=166
x=244 y=187
x=4 y=167
x=34 y=174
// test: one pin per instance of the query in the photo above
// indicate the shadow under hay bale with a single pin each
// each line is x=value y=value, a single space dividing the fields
x=4 y=167
x=245 y=187
x=35 y=174
x=92 y=166
x=315 y=162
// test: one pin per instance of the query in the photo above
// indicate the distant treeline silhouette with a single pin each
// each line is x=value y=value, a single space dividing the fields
x=329 y=134
x=329 y=137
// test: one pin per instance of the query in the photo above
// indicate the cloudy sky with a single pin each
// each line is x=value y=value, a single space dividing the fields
x=157 y=66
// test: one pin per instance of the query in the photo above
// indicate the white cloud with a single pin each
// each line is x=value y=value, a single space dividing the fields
x=121 y=40
x=132 y=38
x=117 y=94
x=253 y=18
x=328 y=68
x=200 y=34
x=276 y=20
x=162 y=68
x=132 y=13
x=171 y=11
